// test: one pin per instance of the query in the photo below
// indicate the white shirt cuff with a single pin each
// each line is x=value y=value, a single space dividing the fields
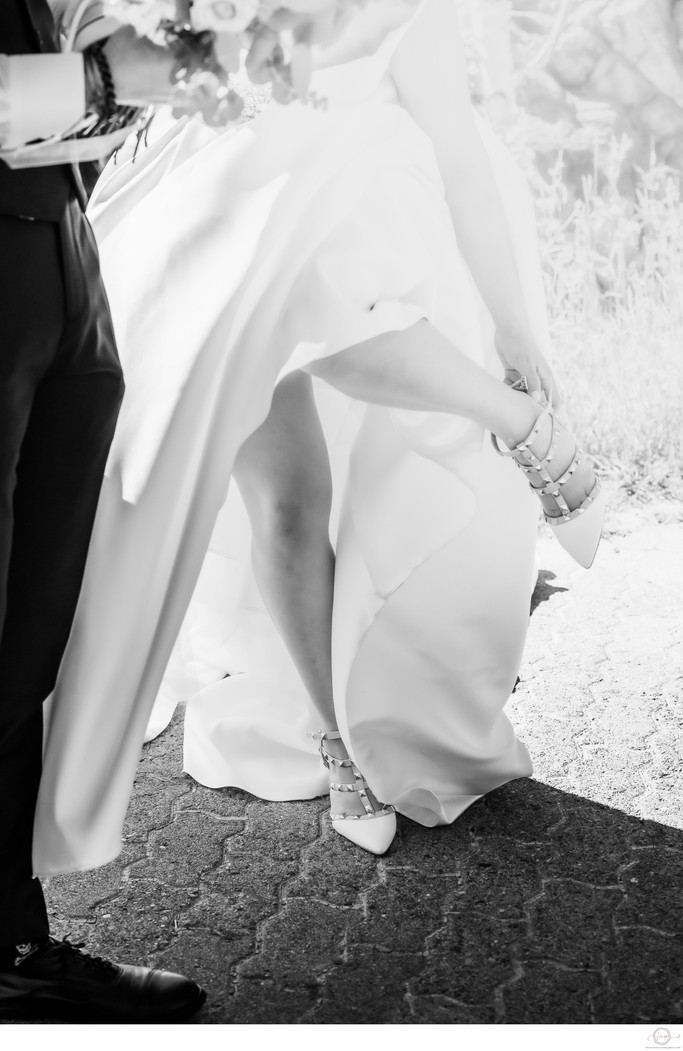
x=94 y=26
x=45 y=95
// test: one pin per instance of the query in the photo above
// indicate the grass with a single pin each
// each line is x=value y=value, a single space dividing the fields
x=614 y=278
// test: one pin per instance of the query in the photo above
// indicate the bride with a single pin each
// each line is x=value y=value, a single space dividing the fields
x=331 y=307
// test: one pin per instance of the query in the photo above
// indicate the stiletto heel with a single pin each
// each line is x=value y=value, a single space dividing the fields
x=578 y=530
x=373 y=830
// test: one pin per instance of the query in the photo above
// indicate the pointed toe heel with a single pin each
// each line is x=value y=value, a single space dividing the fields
x=375 y=836
x=577 y=529
x=375 y=828
x=580 y=536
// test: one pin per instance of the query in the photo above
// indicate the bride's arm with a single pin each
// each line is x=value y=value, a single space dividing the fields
x=364 y=32
x=431 y=77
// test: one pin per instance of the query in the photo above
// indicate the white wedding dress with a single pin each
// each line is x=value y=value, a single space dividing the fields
x=232 y=259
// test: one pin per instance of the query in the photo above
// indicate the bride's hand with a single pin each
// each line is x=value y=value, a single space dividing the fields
x=521 y=357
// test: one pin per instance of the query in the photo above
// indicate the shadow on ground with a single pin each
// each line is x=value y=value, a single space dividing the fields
x=552 y=900
x=544 y=589
x=537 y=906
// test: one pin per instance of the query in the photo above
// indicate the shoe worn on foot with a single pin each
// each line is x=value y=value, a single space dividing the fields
x=373 y=829
x=57 y=979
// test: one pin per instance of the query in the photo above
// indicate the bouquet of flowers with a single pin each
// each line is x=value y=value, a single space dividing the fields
x=208 y=37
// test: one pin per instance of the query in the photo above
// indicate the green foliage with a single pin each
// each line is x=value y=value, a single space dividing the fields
x=613 y=266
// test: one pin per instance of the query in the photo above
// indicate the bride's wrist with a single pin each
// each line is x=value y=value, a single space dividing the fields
x=514 y=332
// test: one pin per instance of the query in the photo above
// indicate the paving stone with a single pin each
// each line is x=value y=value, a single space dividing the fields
x=432 y=851
x=442 y=1010
x=370 y=985
x=332 y=873
x=556 y=899
x=174 y=857
x=642 y=979
x=467 y=959
x=227 y=803
x=544 y=990
x=153 y=804
x=384 y=903
x=500 y=878
x=298 y=945
x=212 y=959
x=79 y=894
x=653 y=885
x=571 y=923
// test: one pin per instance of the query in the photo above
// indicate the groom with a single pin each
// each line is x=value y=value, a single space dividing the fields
x=60 y=390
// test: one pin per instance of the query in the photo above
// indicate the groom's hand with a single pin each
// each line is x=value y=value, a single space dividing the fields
x=141 y=70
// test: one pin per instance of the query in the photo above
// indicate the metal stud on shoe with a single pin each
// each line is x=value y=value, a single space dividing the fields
x=375 y=837
x=578 y=530
x=329 y=760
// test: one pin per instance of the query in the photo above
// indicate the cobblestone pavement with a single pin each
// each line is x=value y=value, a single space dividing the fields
x=557 y=899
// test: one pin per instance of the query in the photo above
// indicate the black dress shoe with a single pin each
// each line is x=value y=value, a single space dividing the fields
x=59 y=980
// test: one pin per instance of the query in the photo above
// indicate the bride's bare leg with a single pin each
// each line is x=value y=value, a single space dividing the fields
x=421 y=369
x=283 y=474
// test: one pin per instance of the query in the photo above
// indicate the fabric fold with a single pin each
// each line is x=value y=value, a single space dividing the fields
x=230 y=261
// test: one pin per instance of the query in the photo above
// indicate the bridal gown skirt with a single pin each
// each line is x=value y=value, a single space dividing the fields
x=230 y=261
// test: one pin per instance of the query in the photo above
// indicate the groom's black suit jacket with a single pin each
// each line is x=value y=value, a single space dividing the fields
x=27 y=27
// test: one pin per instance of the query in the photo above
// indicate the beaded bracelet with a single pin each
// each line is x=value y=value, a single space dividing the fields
x=100 y=83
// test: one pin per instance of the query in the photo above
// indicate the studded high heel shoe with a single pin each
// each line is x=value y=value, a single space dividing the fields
x=374 y=830
x=578 y=530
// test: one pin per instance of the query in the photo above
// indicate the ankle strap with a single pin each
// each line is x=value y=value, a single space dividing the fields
x=523 y=446
x=329 y=760
x=354 y=786
x=320 y=735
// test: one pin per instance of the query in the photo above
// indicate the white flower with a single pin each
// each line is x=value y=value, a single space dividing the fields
x=223 y=16
x=143 y=15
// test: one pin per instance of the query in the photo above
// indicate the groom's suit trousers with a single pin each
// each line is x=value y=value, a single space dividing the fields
x=60 y=391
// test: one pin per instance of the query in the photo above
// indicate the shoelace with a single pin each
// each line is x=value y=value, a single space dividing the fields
x=73 y=951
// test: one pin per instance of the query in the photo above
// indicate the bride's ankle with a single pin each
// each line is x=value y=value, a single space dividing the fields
x=335 y=756
x=521 y=423
x=336 y=748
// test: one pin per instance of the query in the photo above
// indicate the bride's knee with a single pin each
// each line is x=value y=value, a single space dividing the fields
x=290 y=517
x=293 y=523
x=283 y=470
